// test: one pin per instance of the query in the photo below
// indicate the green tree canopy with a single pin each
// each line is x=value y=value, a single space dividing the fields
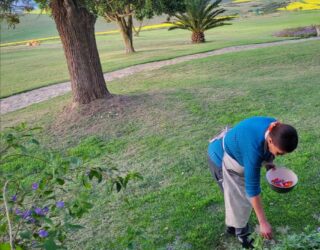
x=123 y=11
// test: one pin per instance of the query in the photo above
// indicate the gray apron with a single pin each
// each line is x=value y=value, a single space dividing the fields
x=237 y=205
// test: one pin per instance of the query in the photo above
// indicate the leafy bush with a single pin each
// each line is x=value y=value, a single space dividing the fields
x=40 y=210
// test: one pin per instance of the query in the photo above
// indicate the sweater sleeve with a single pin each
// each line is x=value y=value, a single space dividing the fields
x=252 y=167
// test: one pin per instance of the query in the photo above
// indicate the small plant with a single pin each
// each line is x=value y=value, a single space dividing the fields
x=309 y=239
x=41 y=210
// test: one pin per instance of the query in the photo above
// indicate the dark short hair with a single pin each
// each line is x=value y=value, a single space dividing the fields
x=285 y=137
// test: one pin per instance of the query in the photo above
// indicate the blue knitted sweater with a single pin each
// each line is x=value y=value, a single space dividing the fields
x=245 y=143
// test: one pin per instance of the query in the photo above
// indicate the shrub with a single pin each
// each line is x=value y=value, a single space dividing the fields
x=40 y=210
x=303 y=32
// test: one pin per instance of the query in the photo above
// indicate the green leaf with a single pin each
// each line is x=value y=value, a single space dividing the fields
x=86 y=184
x=43 y=183
x=49 y=244
x=75 y=161
x=95 y=173
x=6 y=246
x=47 y=192
x=25 y=235
x=88 y=205
x=118 y=186
x=3 y=228
x=34 y=141
x=73 y=227
x=91 y=174
x=51 y=197
x=48 y=220
x=60 y=181
x=62 y=237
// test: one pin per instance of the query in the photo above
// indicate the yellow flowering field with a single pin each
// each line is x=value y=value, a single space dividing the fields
x=303 y=5
x=39 y=12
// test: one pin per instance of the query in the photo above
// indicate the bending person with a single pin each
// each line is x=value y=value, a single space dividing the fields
x=235 y=158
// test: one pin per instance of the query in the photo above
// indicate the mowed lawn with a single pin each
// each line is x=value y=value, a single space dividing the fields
x=161 y=129
x=24 y=68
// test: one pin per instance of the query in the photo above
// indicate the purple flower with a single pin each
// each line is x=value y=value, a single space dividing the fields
x=45 y=210
x=38 y=211
x=60 y=204
x=35 y=186
x=18 y=212
x=14 y=198
x=43 y=233
x=26 y=214
x=31 y=220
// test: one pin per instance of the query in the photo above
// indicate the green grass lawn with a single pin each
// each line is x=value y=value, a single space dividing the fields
x=22 y=67
x=161 y=129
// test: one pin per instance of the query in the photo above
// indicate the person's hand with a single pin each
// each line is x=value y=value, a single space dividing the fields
x=269 y=166
x=266 y=230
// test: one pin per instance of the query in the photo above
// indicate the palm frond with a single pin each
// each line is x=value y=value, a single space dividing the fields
x=200 y=15
x=217 y=25
x=179 y=27
x=182 y=18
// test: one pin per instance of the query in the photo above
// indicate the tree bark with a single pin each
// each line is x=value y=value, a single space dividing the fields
x=126 y=32
x=197 y=37
x=75 y=25
x=137 y=30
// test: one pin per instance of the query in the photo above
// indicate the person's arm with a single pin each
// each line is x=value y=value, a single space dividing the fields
x=265 y=227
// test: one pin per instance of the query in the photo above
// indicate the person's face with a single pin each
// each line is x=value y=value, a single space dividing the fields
x=274 y=149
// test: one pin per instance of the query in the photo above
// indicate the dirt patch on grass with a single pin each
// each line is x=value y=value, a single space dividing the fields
x=114 y=105
x=118 y=116
x=93 y=115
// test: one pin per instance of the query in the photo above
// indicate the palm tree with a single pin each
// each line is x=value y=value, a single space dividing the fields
x=200 y=15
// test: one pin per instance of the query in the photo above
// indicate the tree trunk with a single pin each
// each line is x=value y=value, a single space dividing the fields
x=76 y=29
x=126 y=32
x=137 y=30
x=197 y=37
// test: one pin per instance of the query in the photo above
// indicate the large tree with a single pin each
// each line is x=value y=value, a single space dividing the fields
x=123 y=11
x=75 y=20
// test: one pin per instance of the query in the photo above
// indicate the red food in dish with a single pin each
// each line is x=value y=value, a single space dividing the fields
x=281 y=183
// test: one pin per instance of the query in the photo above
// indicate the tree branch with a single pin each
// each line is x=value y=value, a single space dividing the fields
x=8 y=216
